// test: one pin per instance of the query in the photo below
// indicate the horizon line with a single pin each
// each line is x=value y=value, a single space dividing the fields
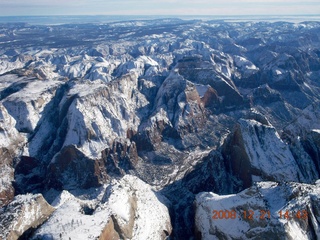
x=97 y=15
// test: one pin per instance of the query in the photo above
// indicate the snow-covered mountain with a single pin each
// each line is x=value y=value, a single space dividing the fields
x=126 y=209
x=266 y=210
x=117 y=127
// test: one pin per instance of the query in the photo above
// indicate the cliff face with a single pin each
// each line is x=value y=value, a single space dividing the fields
x=24 y=214
x=11 y=142
x=311 y=144
x=257 y=153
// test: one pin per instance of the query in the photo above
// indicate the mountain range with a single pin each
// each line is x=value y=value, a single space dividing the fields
x=142 y=129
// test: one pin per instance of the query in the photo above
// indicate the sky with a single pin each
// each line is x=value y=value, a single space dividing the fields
x=158 y=7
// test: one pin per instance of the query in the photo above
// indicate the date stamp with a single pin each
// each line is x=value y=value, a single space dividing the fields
x=260 y=214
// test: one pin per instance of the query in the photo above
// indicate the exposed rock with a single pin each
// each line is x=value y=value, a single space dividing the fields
x=25 y=213
x=257 y=153
x=125 y=209
x=91 y=129
x=71 y=169
x=265 y=210
x=311 y=145
x=206 y=73
x=181 y=114
x=11 y=143
x=121 y=158
x=27 y=104
x=145 y=216
x=109 y=232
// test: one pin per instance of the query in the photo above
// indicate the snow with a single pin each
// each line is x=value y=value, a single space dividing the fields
x=207 y=203
x=6 y=66
x=143 y=65
x=10 y=144
x=268 y=196
x=153 y=215
x=306 y=121
x=24 y=212
x=6 y=179
x=316 y=130
x=101 y=114
x=8 y=79
x=119 y=203
x=27 y=104
x=150 y=218
x=7 y=124
x=70 y=222
x=241 y=62
x=63 y=197
x=267 y=152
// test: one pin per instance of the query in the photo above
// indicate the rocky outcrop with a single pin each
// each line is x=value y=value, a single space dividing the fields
x=121 y=158
x=125 y=209
x=145 y=215
x=311 y=144
x=27 y=104
x=24 y=214
x=66 y=171
x=256 y=153
x=109 y=232
x=265 y=210
x=91 y=129
x=181 y=115
x=7 y=190
x=11 y=143
x=215 y=74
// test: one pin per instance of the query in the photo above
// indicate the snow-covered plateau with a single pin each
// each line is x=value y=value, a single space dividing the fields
x=141 y=129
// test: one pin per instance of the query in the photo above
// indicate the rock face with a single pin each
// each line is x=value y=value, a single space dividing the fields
x=25 y=213
x=27 y=104
x=265 y=210
x=257 y=153
x=120 y=158
x=66 y=171
x=125 y=209
x=144 y=216
x=218 y=77
x=311 y=145
x=11 y=143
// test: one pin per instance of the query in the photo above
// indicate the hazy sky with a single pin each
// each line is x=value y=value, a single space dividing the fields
x=158 y=7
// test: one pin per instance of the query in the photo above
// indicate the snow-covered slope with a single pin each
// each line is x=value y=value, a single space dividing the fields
x=266 y=210
x=25 y=212
x=125 y=209
x=27 y=104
